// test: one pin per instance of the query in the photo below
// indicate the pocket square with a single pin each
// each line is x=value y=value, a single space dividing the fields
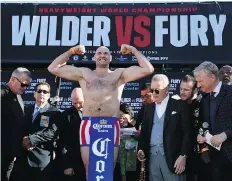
x=173 y=112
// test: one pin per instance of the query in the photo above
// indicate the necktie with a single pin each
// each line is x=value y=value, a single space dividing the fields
x=212 y=110
x=36 y=112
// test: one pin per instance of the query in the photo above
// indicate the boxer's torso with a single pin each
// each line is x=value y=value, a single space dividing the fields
x=102 y=93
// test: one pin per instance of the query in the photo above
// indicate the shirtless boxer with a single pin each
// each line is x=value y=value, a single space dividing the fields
x=102 y=88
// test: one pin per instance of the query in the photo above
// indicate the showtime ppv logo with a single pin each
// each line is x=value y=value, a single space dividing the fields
x=140 y=31
x=100 y=149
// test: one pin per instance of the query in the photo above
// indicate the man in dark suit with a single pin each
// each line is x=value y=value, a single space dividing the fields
x=71 y=162
x=198 y=167
x=12 y=116
x=41 y=131
x=217 y=111
x=165 y=134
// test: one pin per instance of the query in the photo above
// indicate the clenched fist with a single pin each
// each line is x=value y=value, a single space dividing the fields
x=126 y=49
x=80 y=49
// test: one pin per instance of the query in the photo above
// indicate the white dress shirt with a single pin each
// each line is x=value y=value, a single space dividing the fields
x=161 y=108
x=217 y=89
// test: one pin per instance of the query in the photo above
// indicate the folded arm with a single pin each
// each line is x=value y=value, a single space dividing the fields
x=44 y=136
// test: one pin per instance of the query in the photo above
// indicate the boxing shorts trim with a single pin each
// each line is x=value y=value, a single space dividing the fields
x=85 y=131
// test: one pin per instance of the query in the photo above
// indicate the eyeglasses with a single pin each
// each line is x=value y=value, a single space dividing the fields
x=40 y=91
x=156 y=91
x=22 y=84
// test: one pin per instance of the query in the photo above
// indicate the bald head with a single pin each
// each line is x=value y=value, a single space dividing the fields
x=102 y=57
x=77 y=98
x=103 y=48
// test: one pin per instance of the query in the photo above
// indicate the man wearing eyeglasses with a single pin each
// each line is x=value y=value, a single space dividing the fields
x=12 y=115
x=41 y=131
x=147 y=98
x=165 y=134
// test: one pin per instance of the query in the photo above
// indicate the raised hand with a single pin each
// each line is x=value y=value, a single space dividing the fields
x=126 y=49
x=80 y=49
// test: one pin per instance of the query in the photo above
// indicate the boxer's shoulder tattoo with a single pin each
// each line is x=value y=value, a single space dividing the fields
x=100 y=84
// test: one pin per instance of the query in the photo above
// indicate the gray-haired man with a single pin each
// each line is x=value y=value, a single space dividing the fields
x=12 y=110
x=165 y=134
x=216 y=109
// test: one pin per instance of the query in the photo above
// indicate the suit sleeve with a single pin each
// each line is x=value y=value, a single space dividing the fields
x=229 y=130
x=142 y=139
x=186 y=128
x=68 y=158
x=139 y=118
x=47 y=134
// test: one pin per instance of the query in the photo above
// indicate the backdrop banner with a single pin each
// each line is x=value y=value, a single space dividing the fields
x=164 y=33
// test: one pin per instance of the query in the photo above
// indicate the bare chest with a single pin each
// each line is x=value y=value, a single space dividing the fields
x=105 y=84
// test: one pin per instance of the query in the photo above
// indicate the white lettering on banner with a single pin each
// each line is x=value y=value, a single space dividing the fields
x=160 y=31
x=24 y=28
x=79 y=27
x=217 y=28
x=197 y=32
x=103 y=152
x=175 y=81
x=67 y=20
x=100 y=166
x=99 y=178
x=181 y=30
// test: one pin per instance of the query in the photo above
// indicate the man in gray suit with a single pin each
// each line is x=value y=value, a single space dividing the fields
x=165 y=134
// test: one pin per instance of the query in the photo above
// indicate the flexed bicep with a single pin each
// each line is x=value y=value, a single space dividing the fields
x=69 y=72
x=134 y=73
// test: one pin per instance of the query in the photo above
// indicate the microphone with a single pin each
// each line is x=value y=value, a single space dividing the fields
x=205 y=125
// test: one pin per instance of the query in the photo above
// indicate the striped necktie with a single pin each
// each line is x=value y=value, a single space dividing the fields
x=36 y=112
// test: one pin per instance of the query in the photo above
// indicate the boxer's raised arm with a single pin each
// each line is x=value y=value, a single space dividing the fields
x=132 y=73
x=59 y=68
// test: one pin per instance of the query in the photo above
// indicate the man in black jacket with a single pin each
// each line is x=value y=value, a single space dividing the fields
x=71 y=162
x=41 y=131
x=165 y=134
x=12 y=115
x=217 y=111
x=198 y=167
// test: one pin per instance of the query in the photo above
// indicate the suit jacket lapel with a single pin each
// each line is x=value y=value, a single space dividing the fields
x=151 y=116
x=45 y=108
x=168 y=112
x=29 y=113
x=219 y=98
x=206 y=109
